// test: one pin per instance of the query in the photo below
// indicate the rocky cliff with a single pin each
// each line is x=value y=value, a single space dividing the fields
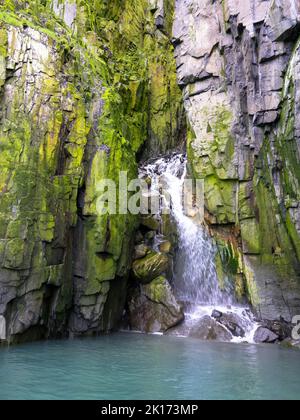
x=239 y=67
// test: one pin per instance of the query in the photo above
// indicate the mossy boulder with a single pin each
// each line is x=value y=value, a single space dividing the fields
x=88 y=79
x=150 y=267
x=140 y=251
x=150 y=222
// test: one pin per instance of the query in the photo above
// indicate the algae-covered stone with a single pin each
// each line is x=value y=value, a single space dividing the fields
x=165 y=247
x=153 y=265
x=243 y=136
x=153 y=307
x=150 y=222
x=2 y=328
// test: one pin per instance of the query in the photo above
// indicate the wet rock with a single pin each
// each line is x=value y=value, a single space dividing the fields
x=280 y=328
x=150 y=222
x=209 y=329
x=139 y=238
x=216 y=314
x=223 y=50
x=234 y=324
x=289 y=343
x=2 y=328
x=150 y=236
x=165 y=247
x=59 y=258
x=153 y=307
x=263 y=335
x=141 y=251
x=150 y=267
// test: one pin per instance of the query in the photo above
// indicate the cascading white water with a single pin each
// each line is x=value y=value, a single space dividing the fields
x=195 y=276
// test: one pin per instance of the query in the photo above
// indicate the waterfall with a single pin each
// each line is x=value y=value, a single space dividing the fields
x=195 y=276
x=195 y=279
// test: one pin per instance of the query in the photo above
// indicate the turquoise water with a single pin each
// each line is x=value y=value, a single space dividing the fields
x=132 y=366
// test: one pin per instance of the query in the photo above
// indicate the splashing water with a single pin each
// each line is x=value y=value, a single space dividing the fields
x=195 y=276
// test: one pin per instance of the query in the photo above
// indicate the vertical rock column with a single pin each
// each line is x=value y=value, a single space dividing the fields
x=237 y=67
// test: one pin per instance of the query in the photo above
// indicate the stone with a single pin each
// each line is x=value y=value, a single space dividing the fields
x=150 y=222
x=216 y=314
x=208 y=329
x=235 y=324
x=139 y=238
x=165 y=247
x=263 y=335
x=70 y=121
x=238 y=67
x=153 y=307
x=283 y=19
x=150 y=267
x=140 y=251
x=67 y=124
x=2 y=328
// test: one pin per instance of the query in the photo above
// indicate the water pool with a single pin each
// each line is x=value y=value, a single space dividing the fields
x=134 y=366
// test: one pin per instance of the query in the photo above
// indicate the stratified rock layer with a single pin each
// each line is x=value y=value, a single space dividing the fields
x=239 y=67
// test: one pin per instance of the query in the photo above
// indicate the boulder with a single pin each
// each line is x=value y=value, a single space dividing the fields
x=289 y=343
x=139 y=238
x=263 y=335
x=153 y=307
x=150 y=267
x=235 y=324
x=165 y=247
x=140 y=251
x=280 y=328
x=209 y=329
x=216 y=314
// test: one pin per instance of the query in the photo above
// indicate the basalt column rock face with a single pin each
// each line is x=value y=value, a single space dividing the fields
x=238 y=64
x=85 y=88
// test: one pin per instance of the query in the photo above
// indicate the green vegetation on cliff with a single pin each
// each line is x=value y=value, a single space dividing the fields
x=86 y=87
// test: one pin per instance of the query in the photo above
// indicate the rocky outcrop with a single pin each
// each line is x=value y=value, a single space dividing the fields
x=88 y=89
x=148 y=268
x=85 y=89
x=151 y=304
x=263 y=335
x=238 y=67
x=208 y=329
